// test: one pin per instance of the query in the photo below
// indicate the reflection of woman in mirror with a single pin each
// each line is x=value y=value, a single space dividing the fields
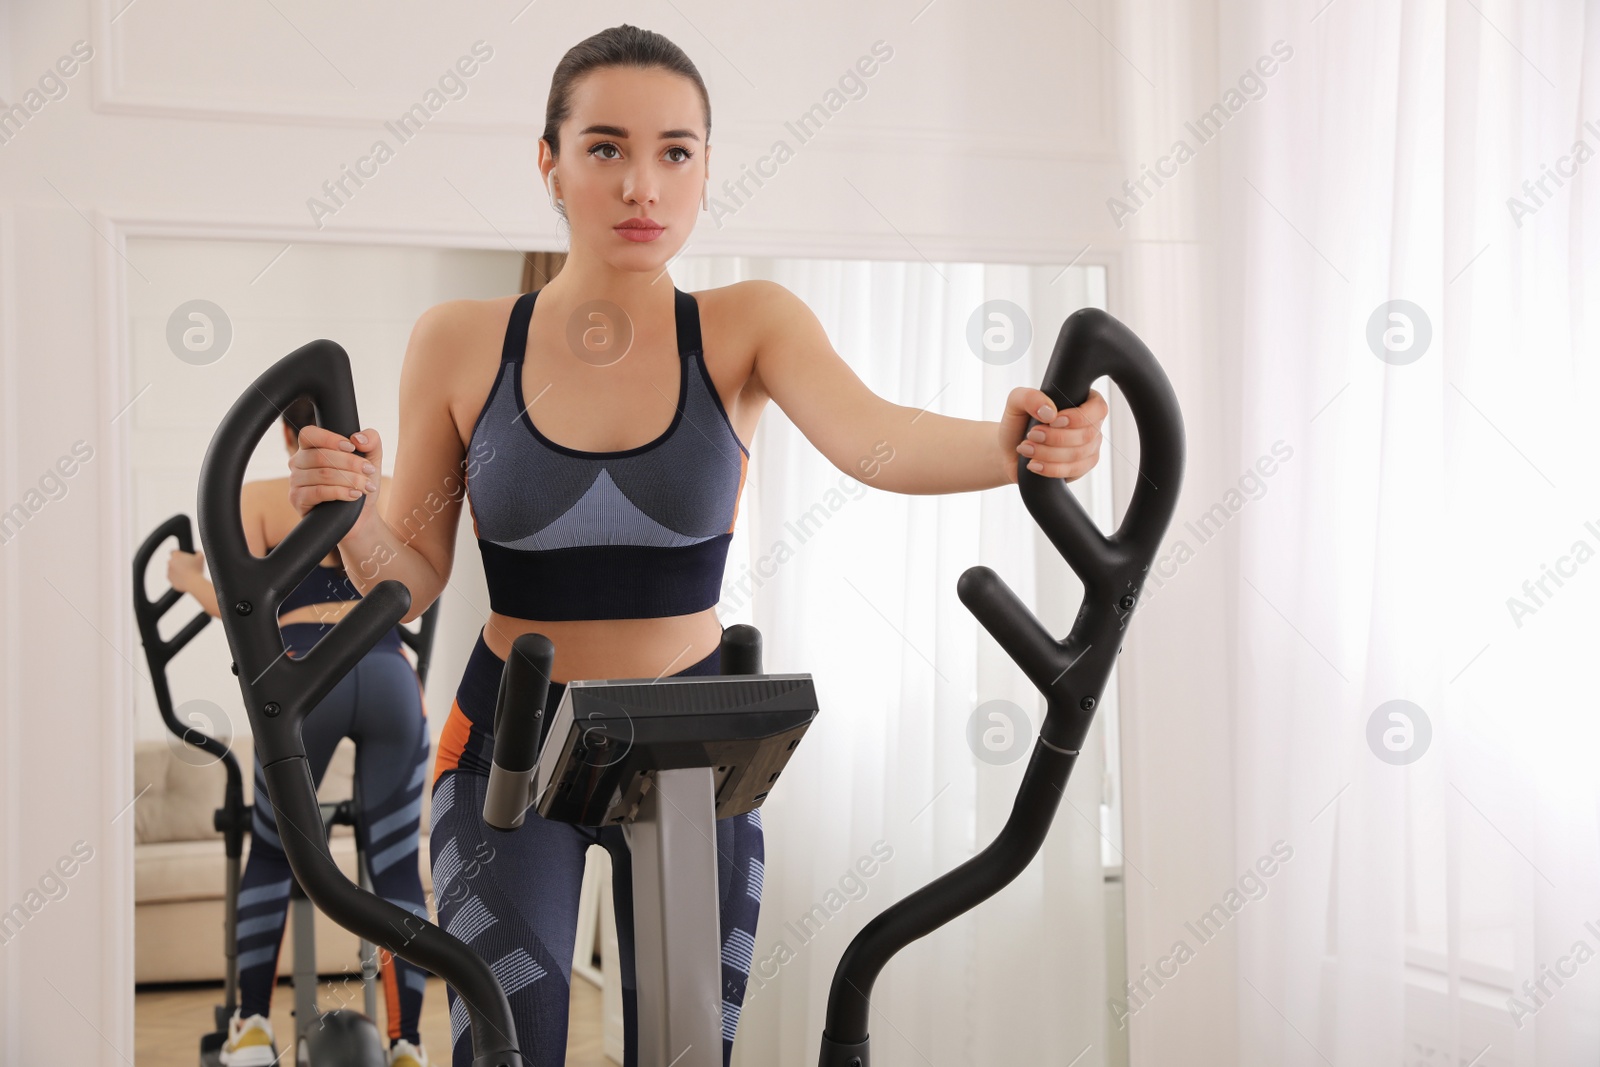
x=603 y=425
x=379 y=706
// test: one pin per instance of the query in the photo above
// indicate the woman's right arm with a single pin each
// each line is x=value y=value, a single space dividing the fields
x=186 y=570
x=408 y=531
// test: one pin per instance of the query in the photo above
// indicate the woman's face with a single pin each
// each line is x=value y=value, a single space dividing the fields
x=632 y=149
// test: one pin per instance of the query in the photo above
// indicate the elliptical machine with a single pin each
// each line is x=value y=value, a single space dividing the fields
x=334 y=1037
x=671 y=755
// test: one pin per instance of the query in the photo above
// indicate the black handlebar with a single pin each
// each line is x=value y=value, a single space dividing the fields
x=159 y=652
x=420 y=640
x=232 y=820
x=279 y=690
x=519 y=725
x=1070 y=673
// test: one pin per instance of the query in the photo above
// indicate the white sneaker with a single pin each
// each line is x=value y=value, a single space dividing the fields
x=405 y=1054
x=249 y=1043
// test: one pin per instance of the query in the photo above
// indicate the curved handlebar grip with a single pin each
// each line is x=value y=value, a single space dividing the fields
x=1072 y=673
x=1092 y=343
x=148 y=612
x=279 y=691
x=158 y=652
x=518 y=729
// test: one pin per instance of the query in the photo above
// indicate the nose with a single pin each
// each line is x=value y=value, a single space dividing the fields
x=640 y=186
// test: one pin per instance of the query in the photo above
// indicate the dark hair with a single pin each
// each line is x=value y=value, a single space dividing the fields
x=300 y=412
x=620 y=46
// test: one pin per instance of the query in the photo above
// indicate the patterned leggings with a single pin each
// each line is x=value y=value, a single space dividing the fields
x=514 y=898
x=379 y=705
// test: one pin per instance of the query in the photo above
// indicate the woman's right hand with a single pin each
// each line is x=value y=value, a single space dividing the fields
x=327 y=466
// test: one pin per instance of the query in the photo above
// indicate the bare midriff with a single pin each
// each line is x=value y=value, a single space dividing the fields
x=330 y=612
x=614 y=648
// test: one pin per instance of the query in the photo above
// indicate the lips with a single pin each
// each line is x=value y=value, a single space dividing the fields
x=640 y=229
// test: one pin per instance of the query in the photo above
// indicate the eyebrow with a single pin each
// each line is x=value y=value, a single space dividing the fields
x=618 y=131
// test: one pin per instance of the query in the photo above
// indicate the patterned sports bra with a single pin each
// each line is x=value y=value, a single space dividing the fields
x=635 y=533
x=324 y=585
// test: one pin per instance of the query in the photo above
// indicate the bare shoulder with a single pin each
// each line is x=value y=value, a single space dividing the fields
x=746 y=316
x=263 y=492
x=766 y=321
x=447 y=333
x=751 y=306
x=264 y=506
x=453 y=354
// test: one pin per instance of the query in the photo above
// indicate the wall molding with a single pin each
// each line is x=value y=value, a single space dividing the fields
x=706 y=241
x=116 y=533
x=11 y=805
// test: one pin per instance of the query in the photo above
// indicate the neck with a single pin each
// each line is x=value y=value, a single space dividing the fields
x=642 y=294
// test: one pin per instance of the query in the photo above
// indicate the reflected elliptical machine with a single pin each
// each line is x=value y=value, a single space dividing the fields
x=666 y=757
x=338 y=1037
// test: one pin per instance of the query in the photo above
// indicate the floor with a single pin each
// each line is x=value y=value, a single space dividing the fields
x=168 y=1021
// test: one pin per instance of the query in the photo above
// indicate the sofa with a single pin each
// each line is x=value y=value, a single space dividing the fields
x=180 y=871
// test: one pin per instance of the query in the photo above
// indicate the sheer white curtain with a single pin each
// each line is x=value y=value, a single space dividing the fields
x=857 y=587
x=1433 y=538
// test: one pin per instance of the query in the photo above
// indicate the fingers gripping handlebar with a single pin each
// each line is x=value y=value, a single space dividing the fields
x=250 y=588
x=1072 y=672
x=280 y=691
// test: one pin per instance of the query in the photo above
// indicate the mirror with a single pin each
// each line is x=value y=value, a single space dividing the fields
x=922 y=725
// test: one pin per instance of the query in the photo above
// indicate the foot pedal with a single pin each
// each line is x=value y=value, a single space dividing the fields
x=211 y=1049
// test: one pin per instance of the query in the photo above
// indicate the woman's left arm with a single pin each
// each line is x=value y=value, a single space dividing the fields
x=904 y=449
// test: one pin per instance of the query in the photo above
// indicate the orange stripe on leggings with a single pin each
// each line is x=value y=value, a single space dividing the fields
x=452 y=741
x=391 y=991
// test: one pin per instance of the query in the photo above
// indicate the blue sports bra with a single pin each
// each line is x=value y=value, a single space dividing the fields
x=635 y=533
x=322 y=586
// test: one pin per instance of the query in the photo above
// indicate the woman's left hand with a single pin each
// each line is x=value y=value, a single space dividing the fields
x=184 y=569
x=1066 y=445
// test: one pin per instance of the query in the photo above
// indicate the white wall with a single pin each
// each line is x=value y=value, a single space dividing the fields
x=995 y=133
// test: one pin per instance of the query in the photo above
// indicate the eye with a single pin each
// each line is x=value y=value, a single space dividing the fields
x=687 y=155
x=595 y=149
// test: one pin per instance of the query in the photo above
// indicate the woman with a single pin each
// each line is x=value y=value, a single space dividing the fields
x=379 y=706
x=605 y=524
